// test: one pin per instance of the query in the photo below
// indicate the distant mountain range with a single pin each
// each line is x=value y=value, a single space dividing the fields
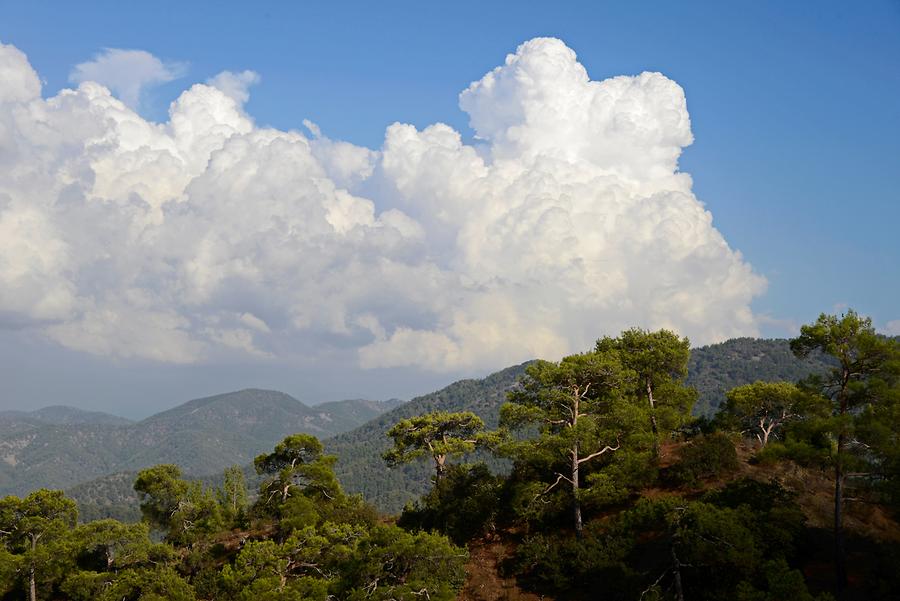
x=95 y=455
x=59 y=447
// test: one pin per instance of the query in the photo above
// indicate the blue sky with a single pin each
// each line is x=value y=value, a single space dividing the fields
x=794 y=106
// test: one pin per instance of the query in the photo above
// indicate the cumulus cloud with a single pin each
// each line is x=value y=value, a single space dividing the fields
x=235 y=85
x=207 y=236
x=127 y=72
x=892 y=328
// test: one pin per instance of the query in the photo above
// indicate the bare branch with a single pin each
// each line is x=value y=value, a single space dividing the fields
x=559 y=477
x=650 y=588
x=605 y=449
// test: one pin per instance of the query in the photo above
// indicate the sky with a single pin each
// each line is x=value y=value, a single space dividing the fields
x=343 y=200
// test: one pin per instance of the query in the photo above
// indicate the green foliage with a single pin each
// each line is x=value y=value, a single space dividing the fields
x=864 y=382
x=393 y=564
x=712 y=370
x=315 y=544
x=162 y=584
x=579 y=414
x=715 y=547
x=184 y=510
x=463 y=505
x=162 y=490
x=584 y=432
x=779 y=521
x=309 y=561
x=232 y=496
x=297 y=466
x=764 y=409
x=95 y=459
x=10 y=568
x=36 y=528
x=109 y=545
x=658 y=362
x=436 y=435
x=879 y=426
x=706 y=456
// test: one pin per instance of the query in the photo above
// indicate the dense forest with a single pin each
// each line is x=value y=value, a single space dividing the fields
x=597 y=478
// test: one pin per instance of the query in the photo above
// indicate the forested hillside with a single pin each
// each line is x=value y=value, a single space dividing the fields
x=717 y=368
x=64 y=447
x=360 y=467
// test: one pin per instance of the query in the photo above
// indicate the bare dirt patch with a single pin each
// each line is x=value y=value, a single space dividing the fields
x=483 y=575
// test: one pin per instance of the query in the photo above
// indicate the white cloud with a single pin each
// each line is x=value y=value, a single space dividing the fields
x=235 y=85
x=20 y=82
x=127 y=72
x=892 y=328
x=208 y=237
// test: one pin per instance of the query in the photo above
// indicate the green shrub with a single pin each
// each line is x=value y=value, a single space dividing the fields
x=707 y=456
x=463 y=505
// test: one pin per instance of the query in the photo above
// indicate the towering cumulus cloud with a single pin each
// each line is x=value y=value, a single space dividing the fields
x=207 y=237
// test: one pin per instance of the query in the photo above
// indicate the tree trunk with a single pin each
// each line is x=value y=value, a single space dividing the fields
x=440 y=467
x=840 y=562
x=676 y=569
x=32 y=589
x=766 y=432
x=576 y=505
x=839 y=551
x=653 y=425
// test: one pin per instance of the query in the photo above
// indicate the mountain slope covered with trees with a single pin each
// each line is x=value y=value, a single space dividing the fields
x=63 y=447
x=717 y=368
x=360 y=467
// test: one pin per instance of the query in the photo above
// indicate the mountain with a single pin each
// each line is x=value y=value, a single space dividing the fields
x=61 y=415
x=717 y=368
x=58 y=449
x=109 y=496
x=346 y=415
x=360 y=467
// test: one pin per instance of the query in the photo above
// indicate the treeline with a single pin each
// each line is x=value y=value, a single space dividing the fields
x=612 y=491
x=302 y=539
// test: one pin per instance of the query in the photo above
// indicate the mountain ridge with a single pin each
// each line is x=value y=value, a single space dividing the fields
x=201 y=435
x=64 y=415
